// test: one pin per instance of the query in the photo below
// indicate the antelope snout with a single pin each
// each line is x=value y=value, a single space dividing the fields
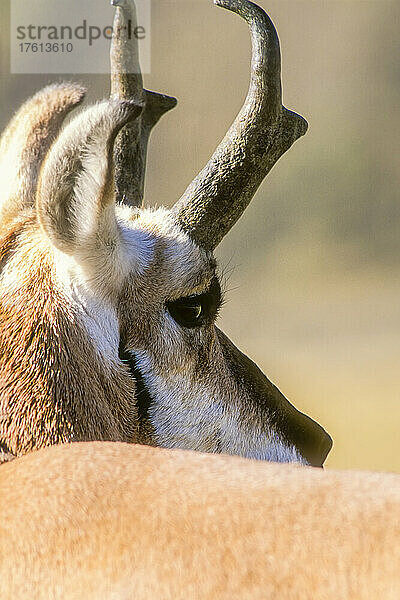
x=293 y=427
x=310 y=439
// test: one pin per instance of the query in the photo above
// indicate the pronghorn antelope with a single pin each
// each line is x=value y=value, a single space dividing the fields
x=107 y=309
x=108 y=333
x=124 y=521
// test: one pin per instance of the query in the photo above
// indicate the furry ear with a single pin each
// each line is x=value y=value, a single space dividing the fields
x=75 y=195
x=25 y=143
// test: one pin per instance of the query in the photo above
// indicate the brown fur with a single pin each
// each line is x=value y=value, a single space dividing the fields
x=44 y=354
x=26 y=140
x=82 y=280
x=121 y=522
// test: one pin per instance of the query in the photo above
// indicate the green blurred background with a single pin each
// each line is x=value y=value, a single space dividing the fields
x=312 y=270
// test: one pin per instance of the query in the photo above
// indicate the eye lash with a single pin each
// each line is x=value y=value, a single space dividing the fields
x=220 y=296
x=209 y=303
x=214 y=293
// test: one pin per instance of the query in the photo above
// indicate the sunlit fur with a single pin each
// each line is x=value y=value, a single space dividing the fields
x=25 y=142
x=126 y=522
x=78 y=275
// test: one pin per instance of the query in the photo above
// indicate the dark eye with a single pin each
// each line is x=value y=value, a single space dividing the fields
x=195 y=311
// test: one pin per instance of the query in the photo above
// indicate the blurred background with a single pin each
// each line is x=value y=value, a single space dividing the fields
x=312 y=270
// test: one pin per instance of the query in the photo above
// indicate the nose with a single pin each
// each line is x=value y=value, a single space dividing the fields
x=292 y=426
x=310 y=439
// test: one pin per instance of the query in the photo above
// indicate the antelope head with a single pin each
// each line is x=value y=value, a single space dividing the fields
x=108 y=309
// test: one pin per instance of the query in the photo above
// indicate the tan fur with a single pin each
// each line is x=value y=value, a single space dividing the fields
x=44 y=353
x=121 y=522
x=82 y=280
x=25 y=142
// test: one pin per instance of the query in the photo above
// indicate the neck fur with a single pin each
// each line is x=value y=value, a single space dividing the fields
x=54 y=387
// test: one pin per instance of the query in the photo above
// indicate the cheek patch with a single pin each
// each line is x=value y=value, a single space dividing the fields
x=143 y=398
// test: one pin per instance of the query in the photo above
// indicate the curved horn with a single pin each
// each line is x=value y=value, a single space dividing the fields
x=130 y=149
x=263 y=130
x=26 y=141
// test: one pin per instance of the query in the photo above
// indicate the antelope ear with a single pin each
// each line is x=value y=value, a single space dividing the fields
x=26 y=141
x=75 y=194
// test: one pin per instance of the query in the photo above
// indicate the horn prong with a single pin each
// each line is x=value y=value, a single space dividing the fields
x=130 y=150
x=263 y=131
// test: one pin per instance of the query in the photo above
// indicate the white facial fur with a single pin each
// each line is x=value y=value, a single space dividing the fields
x=195 y=402
x=94 y=298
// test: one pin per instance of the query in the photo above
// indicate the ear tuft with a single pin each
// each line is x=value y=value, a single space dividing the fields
x=26 y=141
x=75 y=195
